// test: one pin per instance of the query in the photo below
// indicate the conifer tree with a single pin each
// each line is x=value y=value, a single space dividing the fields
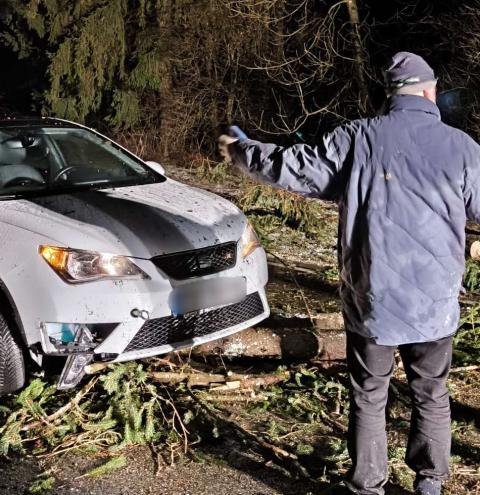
x=182 y=68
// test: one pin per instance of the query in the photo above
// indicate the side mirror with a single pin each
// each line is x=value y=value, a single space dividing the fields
x=156 y=167
x=455 y=106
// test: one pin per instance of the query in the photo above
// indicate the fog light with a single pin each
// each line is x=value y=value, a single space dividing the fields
x=59 y=338
x=63 y=332
x=74 y=368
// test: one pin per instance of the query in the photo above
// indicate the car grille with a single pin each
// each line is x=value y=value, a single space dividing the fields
x=198 y=262
x=176 y=329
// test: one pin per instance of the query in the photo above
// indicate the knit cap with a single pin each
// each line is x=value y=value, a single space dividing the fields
x=408 y=73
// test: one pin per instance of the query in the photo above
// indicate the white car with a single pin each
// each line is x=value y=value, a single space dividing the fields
x=103 y=258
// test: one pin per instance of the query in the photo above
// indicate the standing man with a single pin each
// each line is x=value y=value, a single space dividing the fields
x=405 y=183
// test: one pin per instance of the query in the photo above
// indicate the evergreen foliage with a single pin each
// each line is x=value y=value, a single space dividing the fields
x=181 y=68
x=472 y=275
x=294 y=210
x=111 y=465
x=122 y=407
x=89 y=45
x=42 y=485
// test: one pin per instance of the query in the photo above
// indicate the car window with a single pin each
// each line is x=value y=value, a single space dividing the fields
x=53 y=160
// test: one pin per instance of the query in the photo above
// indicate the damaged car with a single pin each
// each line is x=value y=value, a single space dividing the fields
x=104 y=258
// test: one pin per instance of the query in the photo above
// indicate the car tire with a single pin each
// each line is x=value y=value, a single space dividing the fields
x=12 y=365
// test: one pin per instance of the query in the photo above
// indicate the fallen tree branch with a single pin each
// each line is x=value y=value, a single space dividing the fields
x=334 y=423
x=192 y=378
x=46 y=420
x=231 y=381
x=267 y=449
x=461 y=369
x=300 y=269
x=240 y=396
x=250 y=383
x=93 y=368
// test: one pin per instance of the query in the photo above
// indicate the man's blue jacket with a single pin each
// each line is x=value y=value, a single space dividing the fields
x=405 y=184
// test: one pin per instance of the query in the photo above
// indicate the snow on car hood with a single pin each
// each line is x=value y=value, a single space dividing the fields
x=140 y=221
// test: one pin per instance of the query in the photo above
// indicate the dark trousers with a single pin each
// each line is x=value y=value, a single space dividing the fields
x=428 y=450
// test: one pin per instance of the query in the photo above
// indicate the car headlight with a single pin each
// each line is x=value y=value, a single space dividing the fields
x=249 y=241
x=77 y=266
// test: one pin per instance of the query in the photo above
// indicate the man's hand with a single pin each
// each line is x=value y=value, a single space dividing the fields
x=223 y=142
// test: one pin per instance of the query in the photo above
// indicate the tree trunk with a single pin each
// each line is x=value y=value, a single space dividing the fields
x=359 y=54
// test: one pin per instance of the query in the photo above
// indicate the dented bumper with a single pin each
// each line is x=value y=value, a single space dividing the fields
x=116 y=312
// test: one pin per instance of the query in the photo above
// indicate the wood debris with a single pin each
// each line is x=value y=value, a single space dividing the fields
x=218 y=382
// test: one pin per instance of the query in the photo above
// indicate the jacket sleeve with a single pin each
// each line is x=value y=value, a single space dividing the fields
x=471 y=189
x=314 y=171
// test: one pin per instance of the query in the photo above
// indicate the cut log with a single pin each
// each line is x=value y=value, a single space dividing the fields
x=475 y=250
x=334 y=346
x=322 y=321
x=289 y=338
x=283 y=343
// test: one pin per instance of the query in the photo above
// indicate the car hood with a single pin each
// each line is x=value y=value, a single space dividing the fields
x=140 y=221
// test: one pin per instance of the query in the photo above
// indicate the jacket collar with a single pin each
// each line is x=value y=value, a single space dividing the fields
x=412 y=102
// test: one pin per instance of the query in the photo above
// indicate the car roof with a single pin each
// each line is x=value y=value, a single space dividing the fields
x=29 y=121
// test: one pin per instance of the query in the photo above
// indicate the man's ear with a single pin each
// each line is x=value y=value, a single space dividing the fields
x=431 y=94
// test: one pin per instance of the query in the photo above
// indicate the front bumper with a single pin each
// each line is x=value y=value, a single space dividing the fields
x=180 y=331
x=254 y=304
x=120 y=306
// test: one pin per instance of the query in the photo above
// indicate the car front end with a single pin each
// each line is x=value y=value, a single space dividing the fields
x=126 y=319
x=115 y=274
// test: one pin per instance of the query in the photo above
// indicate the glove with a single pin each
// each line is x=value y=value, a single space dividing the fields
x=235 y=134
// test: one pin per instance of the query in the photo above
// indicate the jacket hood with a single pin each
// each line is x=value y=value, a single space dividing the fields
x=140 y=221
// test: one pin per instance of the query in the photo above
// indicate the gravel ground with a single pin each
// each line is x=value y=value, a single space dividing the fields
x=223 y=470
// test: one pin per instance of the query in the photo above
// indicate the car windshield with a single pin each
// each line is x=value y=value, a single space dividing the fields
x=49 y=160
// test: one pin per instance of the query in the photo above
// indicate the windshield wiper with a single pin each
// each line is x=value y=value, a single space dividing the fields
x=71 y=189
x=11 y=196
x=47 y=191
x=93 y=182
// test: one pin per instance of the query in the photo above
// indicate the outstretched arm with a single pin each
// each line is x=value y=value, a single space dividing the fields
x=471 y=187
x=314 y=171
